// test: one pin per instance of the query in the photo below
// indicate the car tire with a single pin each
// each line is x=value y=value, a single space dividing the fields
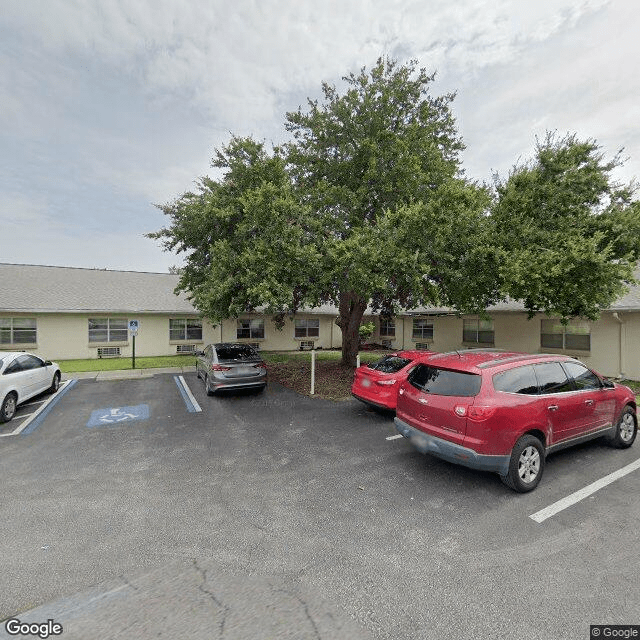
x=526 y=465
x=626 y=429
x=8 y=408
x=210 y=391
x=55 y=383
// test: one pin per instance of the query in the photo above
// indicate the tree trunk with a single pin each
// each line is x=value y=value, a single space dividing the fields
x=351 y=309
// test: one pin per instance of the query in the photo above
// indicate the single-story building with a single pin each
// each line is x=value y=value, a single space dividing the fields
x=67 y=313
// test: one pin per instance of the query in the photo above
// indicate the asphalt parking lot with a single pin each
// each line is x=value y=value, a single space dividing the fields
x=147 y=497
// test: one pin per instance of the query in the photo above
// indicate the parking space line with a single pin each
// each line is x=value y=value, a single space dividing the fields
x=398 y=435
x=187 y=396
x=36 y=418
x=551 y=510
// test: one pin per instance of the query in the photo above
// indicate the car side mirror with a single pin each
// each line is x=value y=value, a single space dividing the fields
x=47 y=363
x=608 y=384
x=199 y=353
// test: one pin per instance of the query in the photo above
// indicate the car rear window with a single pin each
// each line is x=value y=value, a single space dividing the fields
x=444 y=382
x=390 y=364
x=237 y=352
x=519 y=380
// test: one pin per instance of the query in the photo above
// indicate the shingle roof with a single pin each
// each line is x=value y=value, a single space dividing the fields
x=35 y=288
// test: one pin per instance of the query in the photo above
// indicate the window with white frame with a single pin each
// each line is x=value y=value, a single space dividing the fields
x=108 y=330
x=250 y=328
x=185 y=329
x=422 y=329
x=575 y=335
x=387 y=328
x=307 y=328
x=478 y=330
x=18 y=331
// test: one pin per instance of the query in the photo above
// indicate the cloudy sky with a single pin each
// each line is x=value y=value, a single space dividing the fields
x=109 y=107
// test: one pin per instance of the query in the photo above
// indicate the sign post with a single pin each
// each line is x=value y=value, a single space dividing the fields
x=134 y=325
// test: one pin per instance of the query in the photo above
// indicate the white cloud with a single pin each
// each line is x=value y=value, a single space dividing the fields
x=109 y=107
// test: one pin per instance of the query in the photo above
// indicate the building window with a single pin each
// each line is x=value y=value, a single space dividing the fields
x=422 y=329
x=306 y=328
x=185 y=329
x=18 y=331
x=477 y=331
x=250 y=329
x=575 y=335
x=388 y=328
x=108 y=330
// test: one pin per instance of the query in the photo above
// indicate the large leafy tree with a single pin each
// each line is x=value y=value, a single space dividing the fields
x=568 y=235
x=367 y=204
x=378 y=166
x=248 y=241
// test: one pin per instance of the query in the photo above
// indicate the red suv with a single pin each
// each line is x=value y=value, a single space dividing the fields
x=504 y=412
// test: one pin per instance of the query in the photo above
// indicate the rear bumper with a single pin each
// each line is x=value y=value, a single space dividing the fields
x=452 y=452
x=390 y=405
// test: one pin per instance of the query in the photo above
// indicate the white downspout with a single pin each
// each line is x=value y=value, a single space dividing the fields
x=622 y=342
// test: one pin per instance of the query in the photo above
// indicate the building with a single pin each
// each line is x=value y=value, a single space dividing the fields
x=68 y=313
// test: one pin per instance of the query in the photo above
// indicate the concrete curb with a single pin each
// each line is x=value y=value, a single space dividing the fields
x=125 y=374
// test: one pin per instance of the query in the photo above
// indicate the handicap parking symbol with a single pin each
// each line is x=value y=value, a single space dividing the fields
x=118 y=415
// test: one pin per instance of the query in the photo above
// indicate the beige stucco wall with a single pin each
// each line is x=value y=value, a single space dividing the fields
x=65 y=336
x=284 y=339
x=513 y=331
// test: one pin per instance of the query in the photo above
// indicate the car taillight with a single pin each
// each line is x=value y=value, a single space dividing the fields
x=476 y=413
x=260 y=365
x=219 y=367
x=386 y=383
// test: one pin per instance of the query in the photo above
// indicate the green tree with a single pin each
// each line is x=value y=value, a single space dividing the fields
x=248 y=241
x=366 y=205
x=376 y=164
x=568 y=234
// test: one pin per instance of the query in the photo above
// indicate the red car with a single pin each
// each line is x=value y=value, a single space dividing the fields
x=505 y=412
x=377 y=384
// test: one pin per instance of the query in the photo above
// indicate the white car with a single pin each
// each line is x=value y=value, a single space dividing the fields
x=22 y=376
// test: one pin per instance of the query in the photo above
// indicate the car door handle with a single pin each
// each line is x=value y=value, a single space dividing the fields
x=588 y=402
x=553 y=407
x=423 y=401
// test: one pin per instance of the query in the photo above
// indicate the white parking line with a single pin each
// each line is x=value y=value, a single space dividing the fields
x=188 y=392
x=395 y=437
x=32 y=416
x=551 y=510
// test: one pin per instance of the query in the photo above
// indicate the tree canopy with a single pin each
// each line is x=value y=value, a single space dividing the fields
x=367 y=204
x=568 y=234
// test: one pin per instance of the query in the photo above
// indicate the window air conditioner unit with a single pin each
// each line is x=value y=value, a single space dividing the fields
x=422 y=346
x=186 y=348
x=386 y=343
x=307 y=344
x=108 y=352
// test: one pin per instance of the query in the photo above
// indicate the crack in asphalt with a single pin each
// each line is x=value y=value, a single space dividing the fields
x=305 y=607
x=225 y=609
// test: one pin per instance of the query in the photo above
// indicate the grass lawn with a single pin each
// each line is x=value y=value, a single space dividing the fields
x=112 y=364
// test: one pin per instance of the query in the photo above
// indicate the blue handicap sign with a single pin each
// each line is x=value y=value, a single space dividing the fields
x=118 y=415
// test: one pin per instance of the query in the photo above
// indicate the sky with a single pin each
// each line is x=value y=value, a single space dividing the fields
x=110 y=108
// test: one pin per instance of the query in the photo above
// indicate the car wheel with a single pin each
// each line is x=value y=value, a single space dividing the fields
x=210 y=391
x=626 y=429
x=8 y=408
x=526 y=465
x=55 y=384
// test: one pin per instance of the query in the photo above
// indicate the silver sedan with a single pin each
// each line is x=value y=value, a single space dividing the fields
x=229 y=365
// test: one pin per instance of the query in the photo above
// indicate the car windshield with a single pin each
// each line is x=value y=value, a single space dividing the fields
x=443 y=382
x=236 y=352
x=390 y=364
